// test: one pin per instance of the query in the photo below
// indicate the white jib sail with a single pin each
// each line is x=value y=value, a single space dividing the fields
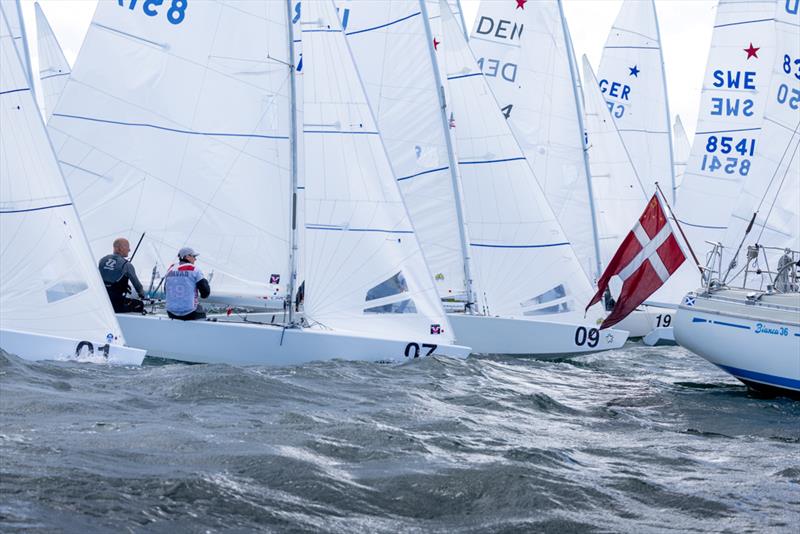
x=632 y=80
x=175 y=121
x=680 y=149
x=772 y=188
x=735 y=92
x=524 y=263
x=49 y=283
x=16 y=28
x=53 y=66
x=364 y=267
x=406 y=102
x=525 y=57
x=619 y=196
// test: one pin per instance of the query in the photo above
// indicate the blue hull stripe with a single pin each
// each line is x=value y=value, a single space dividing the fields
x=699 y=320
x=778 y=381
x=423 y=172
x=165 y=128
x=383 y=25
x=733 y=325
x=342 y=132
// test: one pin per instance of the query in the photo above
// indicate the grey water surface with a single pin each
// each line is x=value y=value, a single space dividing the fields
x=635 y=440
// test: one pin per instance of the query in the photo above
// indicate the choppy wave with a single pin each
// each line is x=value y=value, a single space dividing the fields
x=636 y=439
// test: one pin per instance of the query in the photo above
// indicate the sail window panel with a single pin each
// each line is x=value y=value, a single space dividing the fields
x=556 y=300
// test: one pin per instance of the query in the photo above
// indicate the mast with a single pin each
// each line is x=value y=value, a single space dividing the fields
x=666 y=102
x=453 y=162
x=293 y=144
x=27 y=55
x=579 y=111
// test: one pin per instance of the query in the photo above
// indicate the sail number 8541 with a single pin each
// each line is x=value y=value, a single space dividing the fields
x=175 y=14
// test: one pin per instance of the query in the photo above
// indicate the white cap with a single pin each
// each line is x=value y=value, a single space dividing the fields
x=187 y=251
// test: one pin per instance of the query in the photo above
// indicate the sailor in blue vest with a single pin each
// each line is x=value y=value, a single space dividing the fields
x=117 y=272
x=183 y=285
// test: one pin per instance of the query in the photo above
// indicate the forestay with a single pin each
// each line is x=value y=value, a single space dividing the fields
x=391 y=48
x=49 y=283
x=632 y=80
x=525 y=55
x=735 y=92
x=175 y=121
x=772 y=188
x=619 y=195
x=524 y=263
x=681 y=150
x=364 y=267
x=53 y=67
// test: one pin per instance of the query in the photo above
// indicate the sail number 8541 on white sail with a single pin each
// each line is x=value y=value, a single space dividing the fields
x=175 y=13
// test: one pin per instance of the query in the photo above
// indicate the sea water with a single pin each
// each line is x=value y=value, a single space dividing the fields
x=635 y=440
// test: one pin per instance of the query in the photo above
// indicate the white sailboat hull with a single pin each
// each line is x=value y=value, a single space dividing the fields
x=758 y=343
x=37 y=347
x=650 y=324
x=526 y=337
x=260 y=344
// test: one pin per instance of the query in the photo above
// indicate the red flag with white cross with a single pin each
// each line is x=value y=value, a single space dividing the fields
x=646 y=259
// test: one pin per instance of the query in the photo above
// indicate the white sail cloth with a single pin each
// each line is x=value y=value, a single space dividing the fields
x=49 y=283
x=619 y=196
x=525 y=56
x=631 y=77
x=681 y=150
x=772 y=188
x=524 y=263
x=735 y=93
x=53 y=66
x=175 y=122
x=364 y=267
x=406 y=101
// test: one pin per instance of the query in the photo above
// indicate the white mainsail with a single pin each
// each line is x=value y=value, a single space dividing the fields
x=735 y=93
x=525 y=54
x=632 y=80
x=16 y=28
x=523 y=261
x=681 y=150
x=49 y=283
x=53 y=66
x=406 y=101
x=619 y=195
x=364 y=267
x=772 y=189
x=175 y=121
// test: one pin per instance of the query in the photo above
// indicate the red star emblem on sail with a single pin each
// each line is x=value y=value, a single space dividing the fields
x=436 y=44
x=520 y=4
x=752 y=51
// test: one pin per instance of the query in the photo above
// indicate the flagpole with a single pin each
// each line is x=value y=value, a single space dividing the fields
x=680 y=229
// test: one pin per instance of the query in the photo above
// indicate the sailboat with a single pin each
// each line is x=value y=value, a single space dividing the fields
x=632 y=80
x=53 y=66
x=746 y=317
x=53 y=304
x=525 y=53
x=199 y=140
x=496 y=250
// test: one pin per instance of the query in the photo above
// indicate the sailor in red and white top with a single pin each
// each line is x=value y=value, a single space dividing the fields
x=184 y=285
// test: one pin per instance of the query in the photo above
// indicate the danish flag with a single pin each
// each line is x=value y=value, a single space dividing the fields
x=646 y=259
